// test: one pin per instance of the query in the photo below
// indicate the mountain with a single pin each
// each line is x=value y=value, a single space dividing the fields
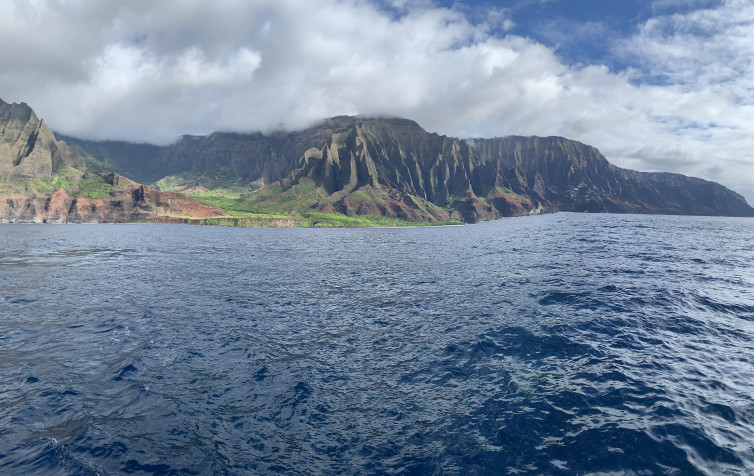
x=577 y=177
x=393 y=168
x=42 y=179
x=28 y=147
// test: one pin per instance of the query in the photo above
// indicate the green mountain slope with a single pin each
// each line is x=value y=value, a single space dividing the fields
x=393 y=168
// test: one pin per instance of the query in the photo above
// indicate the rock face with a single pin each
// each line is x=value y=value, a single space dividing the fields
x=127 y=202
x=266 y=157
x=577 y=177
x=393 y=167
x=28 y=147
x=433 y=176
x=32 y=160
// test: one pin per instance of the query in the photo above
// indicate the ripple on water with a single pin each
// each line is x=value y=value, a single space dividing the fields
x=562 y=344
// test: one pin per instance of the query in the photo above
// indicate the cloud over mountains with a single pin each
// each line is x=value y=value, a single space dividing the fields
x=149 y=71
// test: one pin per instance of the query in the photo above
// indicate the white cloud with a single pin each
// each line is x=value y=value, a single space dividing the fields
x=707 y=47
x=151 y=71
x=702 y=64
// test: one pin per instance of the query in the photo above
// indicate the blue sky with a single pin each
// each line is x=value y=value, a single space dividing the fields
x=656 y=85
x=581 y=31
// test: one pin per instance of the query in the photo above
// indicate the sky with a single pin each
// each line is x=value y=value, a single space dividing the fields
x=655 y=85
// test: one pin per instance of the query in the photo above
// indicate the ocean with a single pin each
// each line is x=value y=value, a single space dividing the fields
x=557 y=344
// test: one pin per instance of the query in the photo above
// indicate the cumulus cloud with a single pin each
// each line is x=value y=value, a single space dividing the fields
x=701 y=65
x=150 y=71
x=708 y=47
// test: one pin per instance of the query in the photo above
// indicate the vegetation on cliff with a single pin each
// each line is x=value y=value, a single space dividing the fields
x=393 y=168
x=344 y=171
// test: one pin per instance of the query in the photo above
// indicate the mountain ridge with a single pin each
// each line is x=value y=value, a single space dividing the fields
x=391 y=162
x=392 y=167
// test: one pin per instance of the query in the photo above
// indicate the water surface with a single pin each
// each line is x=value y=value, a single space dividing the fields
x=559 y=344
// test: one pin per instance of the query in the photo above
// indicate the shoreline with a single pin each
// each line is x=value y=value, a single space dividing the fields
x=238 y=222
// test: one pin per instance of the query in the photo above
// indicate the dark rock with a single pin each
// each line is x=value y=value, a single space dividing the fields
x=28 y=147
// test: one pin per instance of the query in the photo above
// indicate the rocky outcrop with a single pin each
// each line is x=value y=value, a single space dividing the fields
x=32 y=161
x=28 y=147
x=128 y=202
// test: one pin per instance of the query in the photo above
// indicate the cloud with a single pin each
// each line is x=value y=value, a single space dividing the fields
x=701 y=63
x=150 y=71
x=710 y=47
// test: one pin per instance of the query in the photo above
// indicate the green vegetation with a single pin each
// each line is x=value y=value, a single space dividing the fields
x=225 y=198
x=5 y=185
x=280 y=206
x=215 y=177
x=508 y=192
x=39 y=185
x=94 y=164
x=453 y=201
x=312 y=220
x=277 y=199
x=504 y=191
x=94 y=187
x=338 y=220
x=360 y=196
x=248 y=222
x=222 y=176
x=51 y=185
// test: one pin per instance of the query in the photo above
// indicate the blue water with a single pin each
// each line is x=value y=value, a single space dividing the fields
x=559 y=344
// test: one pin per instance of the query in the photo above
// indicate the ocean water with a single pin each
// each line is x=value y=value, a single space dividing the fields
x=559 y=344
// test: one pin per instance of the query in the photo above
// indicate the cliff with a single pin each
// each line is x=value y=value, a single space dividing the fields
x=577 y=177
x=28 y=147
x=43 y=180
x=394 y=168
x=126 y=202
